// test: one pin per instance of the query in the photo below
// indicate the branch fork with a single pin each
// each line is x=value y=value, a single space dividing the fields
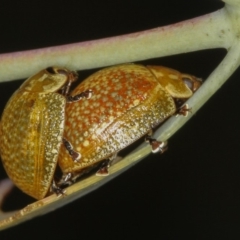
x=220 y=29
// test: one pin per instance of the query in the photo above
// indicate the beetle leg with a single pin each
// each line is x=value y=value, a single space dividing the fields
x=157 y=146
x=56 y=189
x=75 y=155
x=72 y=77
x=183 y=110
x=70 y=178
x=103 y=170
x=67 y=179
x=86 y=94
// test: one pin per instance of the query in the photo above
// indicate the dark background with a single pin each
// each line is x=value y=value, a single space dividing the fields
x=192 y=191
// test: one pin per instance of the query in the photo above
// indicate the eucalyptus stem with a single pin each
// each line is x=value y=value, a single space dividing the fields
x=209 y=31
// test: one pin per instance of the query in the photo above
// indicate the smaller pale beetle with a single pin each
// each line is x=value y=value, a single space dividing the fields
x=127 y=101
x=31 y=130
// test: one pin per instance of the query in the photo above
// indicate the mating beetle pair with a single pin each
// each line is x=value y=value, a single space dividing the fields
x=43 y=125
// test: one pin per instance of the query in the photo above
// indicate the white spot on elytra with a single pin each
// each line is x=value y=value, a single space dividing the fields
x=136 y=102
x=111 y=118
x=86 y=143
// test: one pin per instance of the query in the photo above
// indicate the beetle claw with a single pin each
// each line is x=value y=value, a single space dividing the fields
x=86 y=94
x=103 y=171
x=157 y=146
x=183 y=110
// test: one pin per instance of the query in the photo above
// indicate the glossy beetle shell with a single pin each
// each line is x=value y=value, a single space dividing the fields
x=127 y=102
x=31 y=131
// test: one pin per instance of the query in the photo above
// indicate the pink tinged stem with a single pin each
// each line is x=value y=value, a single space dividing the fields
x=6 y=186
x=208 y=31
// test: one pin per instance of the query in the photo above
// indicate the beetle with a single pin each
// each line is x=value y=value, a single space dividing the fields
x=127 y=101
x=43 y=125
x=31 y=130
